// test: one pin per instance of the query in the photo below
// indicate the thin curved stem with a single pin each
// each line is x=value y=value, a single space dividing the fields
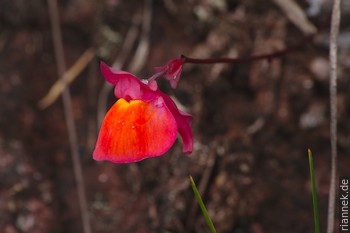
x=268 y=56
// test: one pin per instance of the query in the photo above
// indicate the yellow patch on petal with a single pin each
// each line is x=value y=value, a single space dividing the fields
x=135 y=130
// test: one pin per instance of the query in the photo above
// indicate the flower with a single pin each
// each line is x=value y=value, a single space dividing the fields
x=172 y=71
x=143 y=123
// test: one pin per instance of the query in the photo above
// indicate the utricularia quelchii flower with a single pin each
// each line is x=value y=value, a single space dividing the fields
x=144 y=121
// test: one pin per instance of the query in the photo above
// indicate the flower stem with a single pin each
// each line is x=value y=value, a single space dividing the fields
x=314 y=192
x=202 y=206
x=268 y=56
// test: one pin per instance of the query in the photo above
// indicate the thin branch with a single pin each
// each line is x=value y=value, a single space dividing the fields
x=333 y=53
x=128 y=42
x=268 y=56
x=68 y=77
x=296 y=15
x=72 y=135
x=142 y=50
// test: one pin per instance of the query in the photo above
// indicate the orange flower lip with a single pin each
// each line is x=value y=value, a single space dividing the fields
x=135 y=130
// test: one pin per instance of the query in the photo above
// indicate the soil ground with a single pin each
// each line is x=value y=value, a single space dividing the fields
x=253 y=121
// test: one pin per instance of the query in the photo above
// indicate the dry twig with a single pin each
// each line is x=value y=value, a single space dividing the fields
x=142 y=50
x=333 y=53
x=68 y=76
x=296 y=15
x=72 y=135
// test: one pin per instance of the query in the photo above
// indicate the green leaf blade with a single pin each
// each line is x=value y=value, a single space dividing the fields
x=202 y=206
x=314 y=192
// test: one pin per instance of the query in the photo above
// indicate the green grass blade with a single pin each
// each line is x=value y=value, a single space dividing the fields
x=203 y=208
x=314 y=192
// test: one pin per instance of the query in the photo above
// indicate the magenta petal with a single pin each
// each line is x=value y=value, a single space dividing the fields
x=185 y=132
x=112 y=75
x=183 y=121
x=172 y=71
x=152 y=85
x=127 y=86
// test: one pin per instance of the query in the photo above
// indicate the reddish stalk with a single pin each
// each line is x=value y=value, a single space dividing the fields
x=268 y=56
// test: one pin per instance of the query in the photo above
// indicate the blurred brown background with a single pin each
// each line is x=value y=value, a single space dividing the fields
x=253 y=122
